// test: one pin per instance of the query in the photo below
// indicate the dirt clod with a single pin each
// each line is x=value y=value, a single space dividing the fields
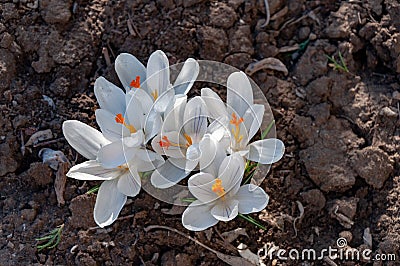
x=81 y=208
x=377 y=166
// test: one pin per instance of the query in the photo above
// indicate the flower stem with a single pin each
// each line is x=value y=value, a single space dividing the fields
x=251 y=220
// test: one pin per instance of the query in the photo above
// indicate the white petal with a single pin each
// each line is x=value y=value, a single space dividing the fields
x=212 y=155
x=266 y=151
x=231 y=173
x=152 y=125
x=129 y=183
x=169 y=174
x=109 y=127
x=195 y=119
x=128 y=68
x=253 y=118
x=92 y=170
x=215 y=106
x=191 y=165
x=115 y=154
x=173 y=119
x=193 y=152
x=134 y=111
x=239 y=96
x=164 y=100
x=251 y=199
x=187 y=76
x=134 y=140
x=200 y=185
x=109 y=96
x=109 y=203
x=157 y=72
x=197 y=217
x=225 y=210
x=143 y=98
x=83 y=138
x=145 y=165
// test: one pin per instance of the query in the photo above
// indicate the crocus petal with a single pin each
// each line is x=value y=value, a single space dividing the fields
x=200 y=185
x=266 y=151
x=157 y=72
x=109 y=203
x=197 y=217
x=173 y=119
x=212 y=155
x=253 y=118
x=215 y=106
x=251 y=199
x=83 y=138
x=191 y=165
x=239 y=96
x=134 y=111
x=145 y=100
x=109 y=96
x=195 y=119
x=164 y=100
x=147 y=155
x=193 y=152
x=231 y=173
x=187 y=76
x=115 y=154
x=144 y=165
x=225 y=210
x=169 y=173
x=92 y=170
x=128 y=68
x=129 y=184
x=134 y=140
x=152 y=125
x=110 y=129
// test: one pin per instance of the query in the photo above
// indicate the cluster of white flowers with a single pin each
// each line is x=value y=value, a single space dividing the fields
x=200 y=134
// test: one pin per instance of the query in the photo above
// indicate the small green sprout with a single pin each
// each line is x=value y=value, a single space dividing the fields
x=188 y=200
x=53 y=239
x=93 y=190
x=338 y=65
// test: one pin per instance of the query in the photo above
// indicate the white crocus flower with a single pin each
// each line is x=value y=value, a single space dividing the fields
x=155 y=79
x=128 y=121
x=180 y=140
x=220 y=196
x=119 y=182
x=244 y=118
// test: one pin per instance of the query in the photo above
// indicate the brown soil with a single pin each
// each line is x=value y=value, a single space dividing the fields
x=341 y=129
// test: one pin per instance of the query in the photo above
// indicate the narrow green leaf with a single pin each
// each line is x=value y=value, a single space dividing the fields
x=251 y=220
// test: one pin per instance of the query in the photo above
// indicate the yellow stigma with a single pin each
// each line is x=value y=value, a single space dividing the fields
x=218 y=189
x=154 y=94
x=121 y=120
x=236 y=131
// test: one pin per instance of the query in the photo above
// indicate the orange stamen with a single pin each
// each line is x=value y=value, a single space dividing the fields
x=236 y=131
x=135 y=83
x=188 y=139
x=218 y=189
x=166 y=143
x=235 y=121
x=121 y=120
